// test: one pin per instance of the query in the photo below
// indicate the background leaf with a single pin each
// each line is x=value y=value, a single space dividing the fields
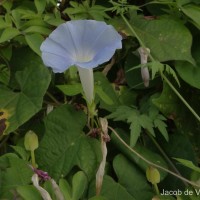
x=23 y=104
x=193 y=12
x=64 y=145
x=112 y=190
x=34 y=41
x=188 y=72
x=8 y=34
x=132 y=179
x=29 y=192
x=79 y=185
x=18 y=173
x=166 y=38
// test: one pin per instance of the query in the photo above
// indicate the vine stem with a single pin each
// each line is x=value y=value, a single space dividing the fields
x=132 y=30
x=151 y=163
x=162 y=75
x=53 y=98
x=165 y=156
x=180 y=97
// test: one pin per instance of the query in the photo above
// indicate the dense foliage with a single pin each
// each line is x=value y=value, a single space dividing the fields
x=145 y=123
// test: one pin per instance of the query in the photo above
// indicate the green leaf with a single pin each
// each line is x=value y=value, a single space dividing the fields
x=148 y=154
x=3 y=24
x=188 y=72
x=16 y=18
x=188 y=163
x=137 y=121
x=146 y=122
x=162 y=128
x=179 y=146
x=53 y=20
x=65 y=146
x=8 y=34
x=65 y=189
x=168 y=103
x=7 y=5
x=17 y=174
x=112 y=190
x=193 y=12
x=20 y=151
x=40 y=5
x=102 y=81
x=167 y=39
x=7 y=52
x=132 y=179
x=130 y=115
x=22 y=105
x=105 y=97
x=71 y=89
x=136 y=129
x=169 y=70
x=157 y=67
x=34 y=41
x=121 y=113
x=35 y=22
x=29 y=192
x=79 y=185
x=4 y=74
x=183 y=2
x=8 y=19
x=98 y=198
x=37 y=29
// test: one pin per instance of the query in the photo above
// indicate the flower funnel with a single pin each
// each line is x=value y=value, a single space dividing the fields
x=83 y=43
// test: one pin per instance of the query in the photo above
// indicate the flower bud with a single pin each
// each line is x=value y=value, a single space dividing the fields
x=31 y=141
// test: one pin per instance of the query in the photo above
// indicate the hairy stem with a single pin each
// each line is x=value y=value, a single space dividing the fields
x=180 y=97
x=151 y=163
x=166 y=157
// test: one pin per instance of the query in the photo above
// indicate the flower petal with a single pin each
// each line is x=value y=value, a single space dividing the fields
x=51 y=46
x=84 y=43
x=63 y=37
x=85 y=34
x=58 y=63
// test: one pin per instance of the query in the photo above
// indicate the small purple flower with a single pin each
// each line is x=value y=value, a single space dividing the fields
x=83 y=43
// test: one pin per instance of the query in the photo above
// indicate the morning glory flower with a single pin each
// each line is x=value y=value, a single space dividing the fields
x=81 y=43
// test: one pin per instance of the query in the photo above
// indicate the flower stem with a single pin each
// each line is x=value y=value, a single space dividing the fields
x=156 y=188
x=33 y=159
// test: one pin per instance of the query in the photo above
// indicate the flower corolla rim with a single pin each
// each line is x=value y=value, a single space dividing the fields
x=83 y=43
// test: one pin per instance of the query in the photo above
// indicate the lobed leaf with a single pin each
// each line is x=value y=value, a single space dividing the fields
x=22 y=105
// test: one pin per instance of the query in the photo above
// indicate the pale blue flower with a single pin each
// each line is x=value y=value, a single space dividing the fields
x=83 y=43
